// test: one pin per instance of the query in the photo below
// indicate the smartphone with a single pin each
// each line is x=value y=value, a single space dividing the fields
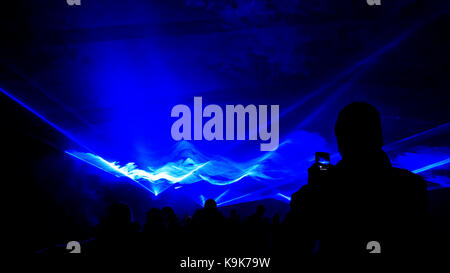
x=323 y=160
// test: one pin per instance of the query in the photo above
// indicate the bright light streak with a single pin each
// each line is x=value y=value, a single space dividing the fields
x=59 y=129
x=189 y=168
x=140 y=184
x=419 y=134
x=203 y=200
x=356 y=66
x=234 y=199
x=431 y=166
x=221 y=195
x=284 y=196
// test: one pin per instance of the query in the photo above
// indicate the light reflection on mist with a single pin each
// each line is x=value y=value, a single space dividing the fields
x=189 y=167
x=283 y=167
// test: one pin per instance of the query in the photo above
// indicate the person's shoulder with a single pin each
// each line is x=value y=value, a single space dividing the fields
x=135 y=226
x=300 y=195
x=408 y=177
x=304 y=189
x=197 y=213
x=404 y=173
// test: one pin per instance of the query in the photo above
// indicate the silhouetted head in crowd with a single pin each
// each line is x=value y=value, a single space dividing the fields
x=168 y=212
x=154 y=216
x=358 y=130
x=260 y=210
x=210 y=204
x=233 y=213
x=120 y=213
x=276 y=219
x=169 y=216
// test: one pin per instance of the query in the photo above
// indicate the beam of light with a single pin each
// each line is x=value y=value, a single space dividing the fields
x=221 y=195
x=431 y=166
x=95 y=165
x=349 y=71
x=354 y=69
x=234 y=199
x=330 y=99
x=391 y=146
x=269 y=191
x=130 y=170
x=59 y=129
x=426 y=132
x=35 y=85
x=188 y=167
x=284 y=196
x=202 y=200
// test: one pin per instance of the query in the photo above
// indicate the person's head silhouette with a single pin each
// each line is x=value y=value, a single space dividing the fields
x=260 y=210
x=358 y=130
x=154 y=215
x=210 y=204
x=120 y=212
x=233 y=213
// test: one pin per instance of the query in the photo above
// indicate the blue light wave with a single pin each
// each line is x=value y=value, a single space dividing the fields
x=189 y=166
x=285 y=168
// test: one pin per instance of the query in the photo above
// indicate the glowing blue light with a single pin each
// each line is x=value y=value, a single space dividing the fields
x=189 y=166
x=431 y=166
x=82 y=159
x=221 y=195
x=350 y=70
x=203 y=200
x=59 y=129
x=432 y=130
x=284 y=196
x=190 y=169
x=325 y=162
x=234 y=199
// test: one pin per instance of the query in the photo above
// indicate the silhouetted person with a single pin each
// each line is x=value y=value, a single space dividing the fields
x=276 y=230
x=361 y=199
x=117 y=234
x=233 y=235
x=234 y=217
x=208 y=224
x=154 y=233
x=258 y=231
x=170 y=219
x=234 y=223
x=209 y=215
x=154 y=222
x=276 y=219
x=256 y=220
x=172 y=230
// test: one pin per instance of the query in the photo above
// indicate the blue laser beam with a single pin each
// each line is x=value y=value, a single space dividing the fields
x=426 y=132
x=90 y=163
x=202 y=200
x=284 y=196
x=350 y=70
x=59 y=129
x=47 y=94
x=234 y=199
x=186 y=166
x=390 y=147
x=431 y=166
x=221 y=195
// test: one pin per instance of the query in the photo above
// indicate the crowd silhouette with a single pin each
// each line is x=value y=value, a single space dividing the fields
x=359 y=200
x=207 y=232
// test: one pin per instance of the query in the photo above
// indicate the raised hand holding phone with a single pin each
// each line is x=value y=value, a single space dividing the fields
x=323 y=160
